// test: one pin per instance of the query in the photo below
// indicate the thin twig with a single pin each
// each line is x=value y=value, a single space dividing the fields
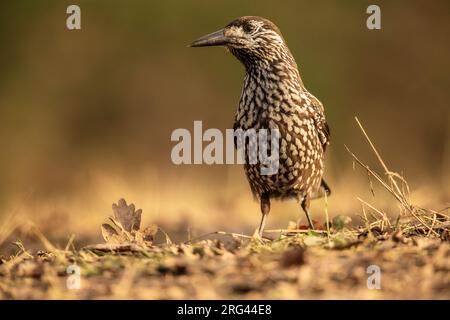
x=399 y=198
x=386 y=170
x=221 y=233
x=383 y=215
x=69 y=243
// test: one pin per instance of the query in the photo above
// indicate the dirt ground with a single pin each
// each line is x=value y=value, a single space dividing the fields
x=295 y=265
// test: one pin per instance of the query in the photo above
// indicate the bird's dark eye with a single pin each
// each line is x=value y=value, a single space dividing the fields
x=248 y=27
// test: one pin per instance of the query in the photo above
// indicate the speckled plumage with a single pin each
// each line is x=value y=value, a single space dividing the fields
x=274 y=97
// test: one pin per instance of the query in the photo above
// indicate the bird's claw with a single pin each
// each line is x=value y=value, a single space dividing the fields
x=257 y=237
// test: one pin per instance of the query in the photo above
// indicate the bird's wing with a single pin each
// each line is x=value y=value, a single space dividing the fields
x=320 y=122
x=235 y=127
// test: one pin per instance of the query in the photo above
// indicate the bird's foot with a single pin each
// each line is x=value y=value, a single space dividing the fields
x=258 y=237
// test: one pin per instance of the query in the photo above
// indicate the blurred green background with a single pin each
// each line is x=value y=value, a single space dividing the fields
x=86 y=115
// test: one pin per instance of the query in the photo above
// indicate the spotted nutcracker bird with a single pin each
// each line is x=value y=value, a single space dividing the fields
x=274 y=97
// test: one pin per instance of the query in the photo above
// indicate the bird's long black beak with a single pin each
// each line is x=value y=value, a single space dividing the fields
x=213 y=39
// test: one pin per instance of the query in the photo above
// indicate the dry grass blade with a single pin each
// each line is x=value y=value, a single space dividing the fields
x=382 y=214
x=47 y=244
x=399 y=198
x=374 y=174
x=69 y=242
x=327 y=218
x=377 y=154
x=168 y=240
x=393 y=187
x=8 y=228
x=432 y=224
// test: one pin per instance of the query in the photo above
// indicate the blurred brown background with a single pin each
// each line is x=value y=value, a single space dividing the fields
x=86 y=116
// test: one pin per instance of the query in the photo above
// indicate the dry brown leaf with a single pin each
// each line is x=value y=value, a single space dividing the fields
x=317 y=226
x=110 y=234
x=127 y=216
x=123 y=234
x=398 y=236
x=293 y=257
x=150 y=232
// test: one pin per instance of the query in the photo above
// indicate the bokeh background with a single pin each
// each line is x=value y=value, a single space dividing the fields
x=86 y=116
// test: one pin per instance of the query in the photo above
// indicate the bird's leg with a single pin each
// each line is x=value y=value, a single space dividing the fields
x=324 y=190
x=305 y=207
x=265 y=208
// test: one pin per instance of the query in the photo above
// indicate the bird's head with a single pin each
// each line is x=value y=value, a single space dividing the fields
x=249 y=38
